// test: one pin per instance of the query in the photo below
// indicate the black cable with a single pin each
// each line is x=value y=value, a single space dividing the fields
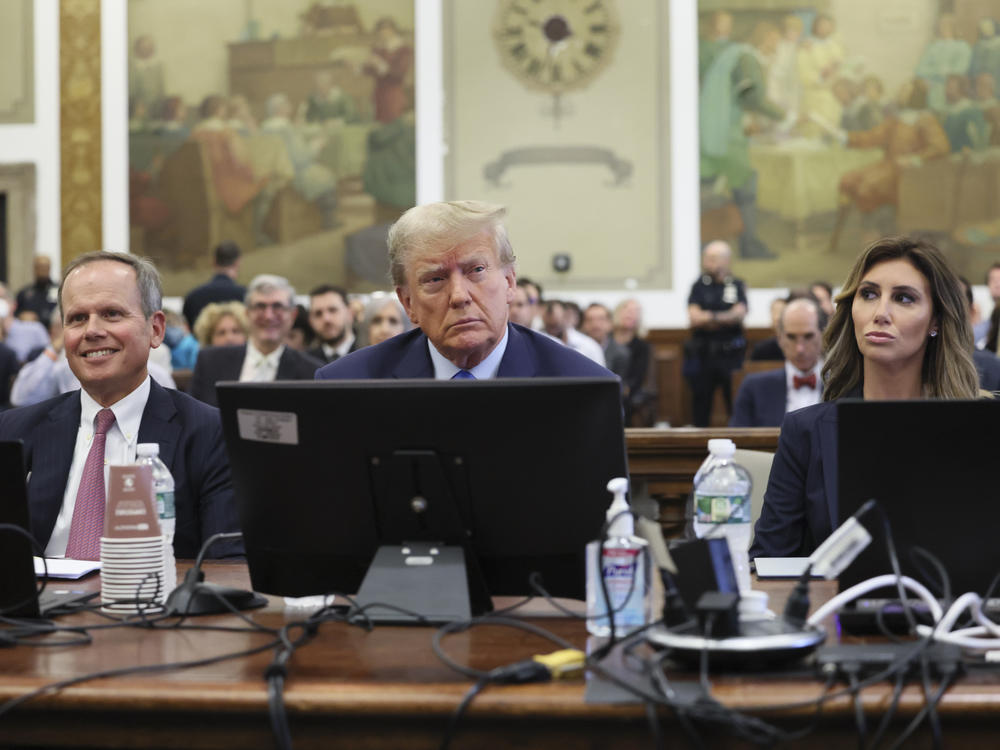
x=457 y=714
x=851 y=669
x=942 y=584
x=654 y=725
x=706 y=686
x=887 y=717
x=918 y=719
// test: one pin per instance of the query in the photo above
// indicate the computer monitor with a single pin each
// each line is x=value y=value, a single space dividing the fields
x=510 y=472
x=931 y=466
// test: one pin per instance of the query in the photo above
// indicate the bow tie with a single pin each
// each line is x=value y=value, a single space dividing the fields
x=808 y=381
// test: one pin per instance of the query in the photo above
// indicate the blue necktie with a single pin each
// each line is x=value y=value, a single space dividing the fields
x=463 y=375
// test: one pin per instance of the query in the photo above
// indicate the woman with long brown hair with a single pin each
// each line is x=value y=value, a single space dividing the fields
x=900 y=331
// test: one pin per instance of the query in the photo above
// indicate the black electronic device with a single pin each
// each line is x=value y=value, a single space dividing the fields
x=18 y=586
x=17 y=571
x=930 y=464
x=703 y=565
x=510 y=472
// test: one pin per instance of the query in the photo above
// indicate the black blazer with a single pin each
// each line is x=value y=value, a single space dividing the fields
x=190 y=437
x=220 y=288
x=800 y=503
x=219 y=363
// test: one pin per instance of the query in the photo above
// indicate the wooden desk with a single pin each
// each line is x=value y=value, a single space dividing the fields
x=384 y=689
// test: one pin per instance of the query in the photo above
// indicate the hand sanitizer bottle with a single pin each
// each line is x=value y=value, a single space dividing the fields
x=624 y=567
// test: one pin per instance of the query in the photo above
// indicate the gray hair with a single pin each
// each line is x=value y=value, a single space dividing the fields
x=147 y=278
x=266 y=283
x=445 y=225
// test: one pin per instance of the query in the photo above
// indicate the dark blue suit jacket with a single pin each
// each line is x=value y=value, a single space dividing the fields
x=988 y=368
x=800 y=503
x=761 y=400
x=528 y=354
x=190 y=437
x=220 y=288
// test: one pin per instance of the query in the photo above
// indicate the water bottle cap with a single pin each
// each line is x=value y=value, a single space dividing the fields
x=147 y=449
x=722 y=447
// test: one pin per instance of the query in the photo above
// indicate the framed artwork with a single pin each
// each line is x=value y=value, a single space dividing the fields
x=827 y=124
x=17 y=62
x=284 y=126
x=558 y=110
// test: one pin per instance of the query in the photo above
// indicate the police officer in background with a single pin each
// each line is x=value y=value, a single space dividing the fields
x=717 y=306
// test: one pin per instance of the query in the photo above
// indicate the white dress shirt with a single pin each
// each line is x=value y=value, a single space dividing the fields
x=119 y=449
x=581 y=342
x=799 y=397
x=260 y=368
x=445 y=369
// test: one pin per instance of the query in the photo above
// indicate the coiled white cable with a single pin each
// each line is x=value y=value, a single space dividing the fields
x=859 y=589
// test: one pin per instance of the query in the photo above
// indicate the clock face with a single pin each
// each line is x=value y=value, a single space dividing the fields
x=555 y=45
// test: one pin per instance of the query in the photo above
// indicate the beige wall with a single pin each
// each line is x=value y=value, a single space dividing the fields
x=613 y=232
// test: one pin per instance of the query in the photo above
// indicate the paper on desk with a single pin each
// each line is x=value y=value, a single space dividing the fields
x=782 y=567
x=61 y=567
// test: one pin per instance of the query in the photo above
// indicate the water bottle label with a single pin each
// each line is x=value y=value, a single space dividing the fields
x=165 y=504
x=722 y=508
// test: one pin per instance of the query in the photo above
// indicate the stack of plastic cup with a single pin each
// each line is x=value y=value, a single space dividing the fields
x=135 y=575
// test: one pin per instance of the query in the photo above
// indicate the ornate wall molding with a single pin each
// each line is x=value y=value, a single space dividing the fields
x=80 y=125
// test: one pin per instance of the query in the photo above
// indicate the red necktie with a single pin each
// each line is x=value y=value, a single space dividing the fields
x=808 y=381
x=88 y=514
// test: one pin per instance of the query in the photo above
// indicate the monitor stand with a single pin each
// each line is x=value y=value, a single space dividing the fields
x=423 y=578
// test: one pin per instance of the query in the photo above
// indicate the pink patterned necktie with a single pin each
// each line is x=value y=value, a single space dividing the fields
x=88 y=514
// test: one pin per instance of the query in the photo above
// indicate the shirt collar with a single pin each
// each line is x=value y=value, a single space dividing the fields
x=257 y=358
x=128 y=411
x=445 y=369
x=341 y=350
x=792 y=371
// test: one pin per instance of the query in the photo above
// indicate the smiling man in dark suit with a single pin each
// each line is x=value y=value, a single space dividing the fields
x=453 y=269
x=110 y=303
x=271 y=311
x=765 y=397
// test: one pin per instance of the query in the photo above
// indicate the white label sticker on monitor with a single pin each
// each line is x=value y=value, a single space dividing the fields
x=268 y=426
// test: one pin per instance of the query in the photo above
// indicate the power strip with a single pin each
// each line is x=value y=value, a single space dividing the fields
x=869 y=658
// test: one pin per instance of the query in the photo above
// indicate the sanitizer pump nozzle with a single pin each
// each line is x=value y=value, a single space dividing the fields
x=620 y=521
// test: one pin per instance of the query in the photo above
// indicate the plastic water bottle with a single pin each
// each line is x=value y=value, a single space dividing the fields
x=163 y=490
x=722 y=505
x=625 y=568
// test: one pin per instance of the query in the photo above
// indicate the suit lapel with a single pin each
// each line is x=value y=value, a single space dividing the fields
x=415 y=360
x=518 y=359
x=286 y=370
x=828 y=450
x=49 y=463
x=158 y=424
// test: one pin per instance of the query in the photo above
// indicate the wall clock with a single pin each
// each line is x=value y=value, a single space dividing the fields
x=555 y=46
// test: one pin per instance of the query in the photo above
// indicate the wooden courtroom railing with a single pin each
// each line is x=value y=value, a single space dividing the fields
x=663 y=463
x=673 y=394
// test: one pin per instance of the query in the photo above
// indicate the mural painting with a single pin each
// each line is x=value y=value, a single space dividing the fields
x=286 y=127
x=827 y=124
